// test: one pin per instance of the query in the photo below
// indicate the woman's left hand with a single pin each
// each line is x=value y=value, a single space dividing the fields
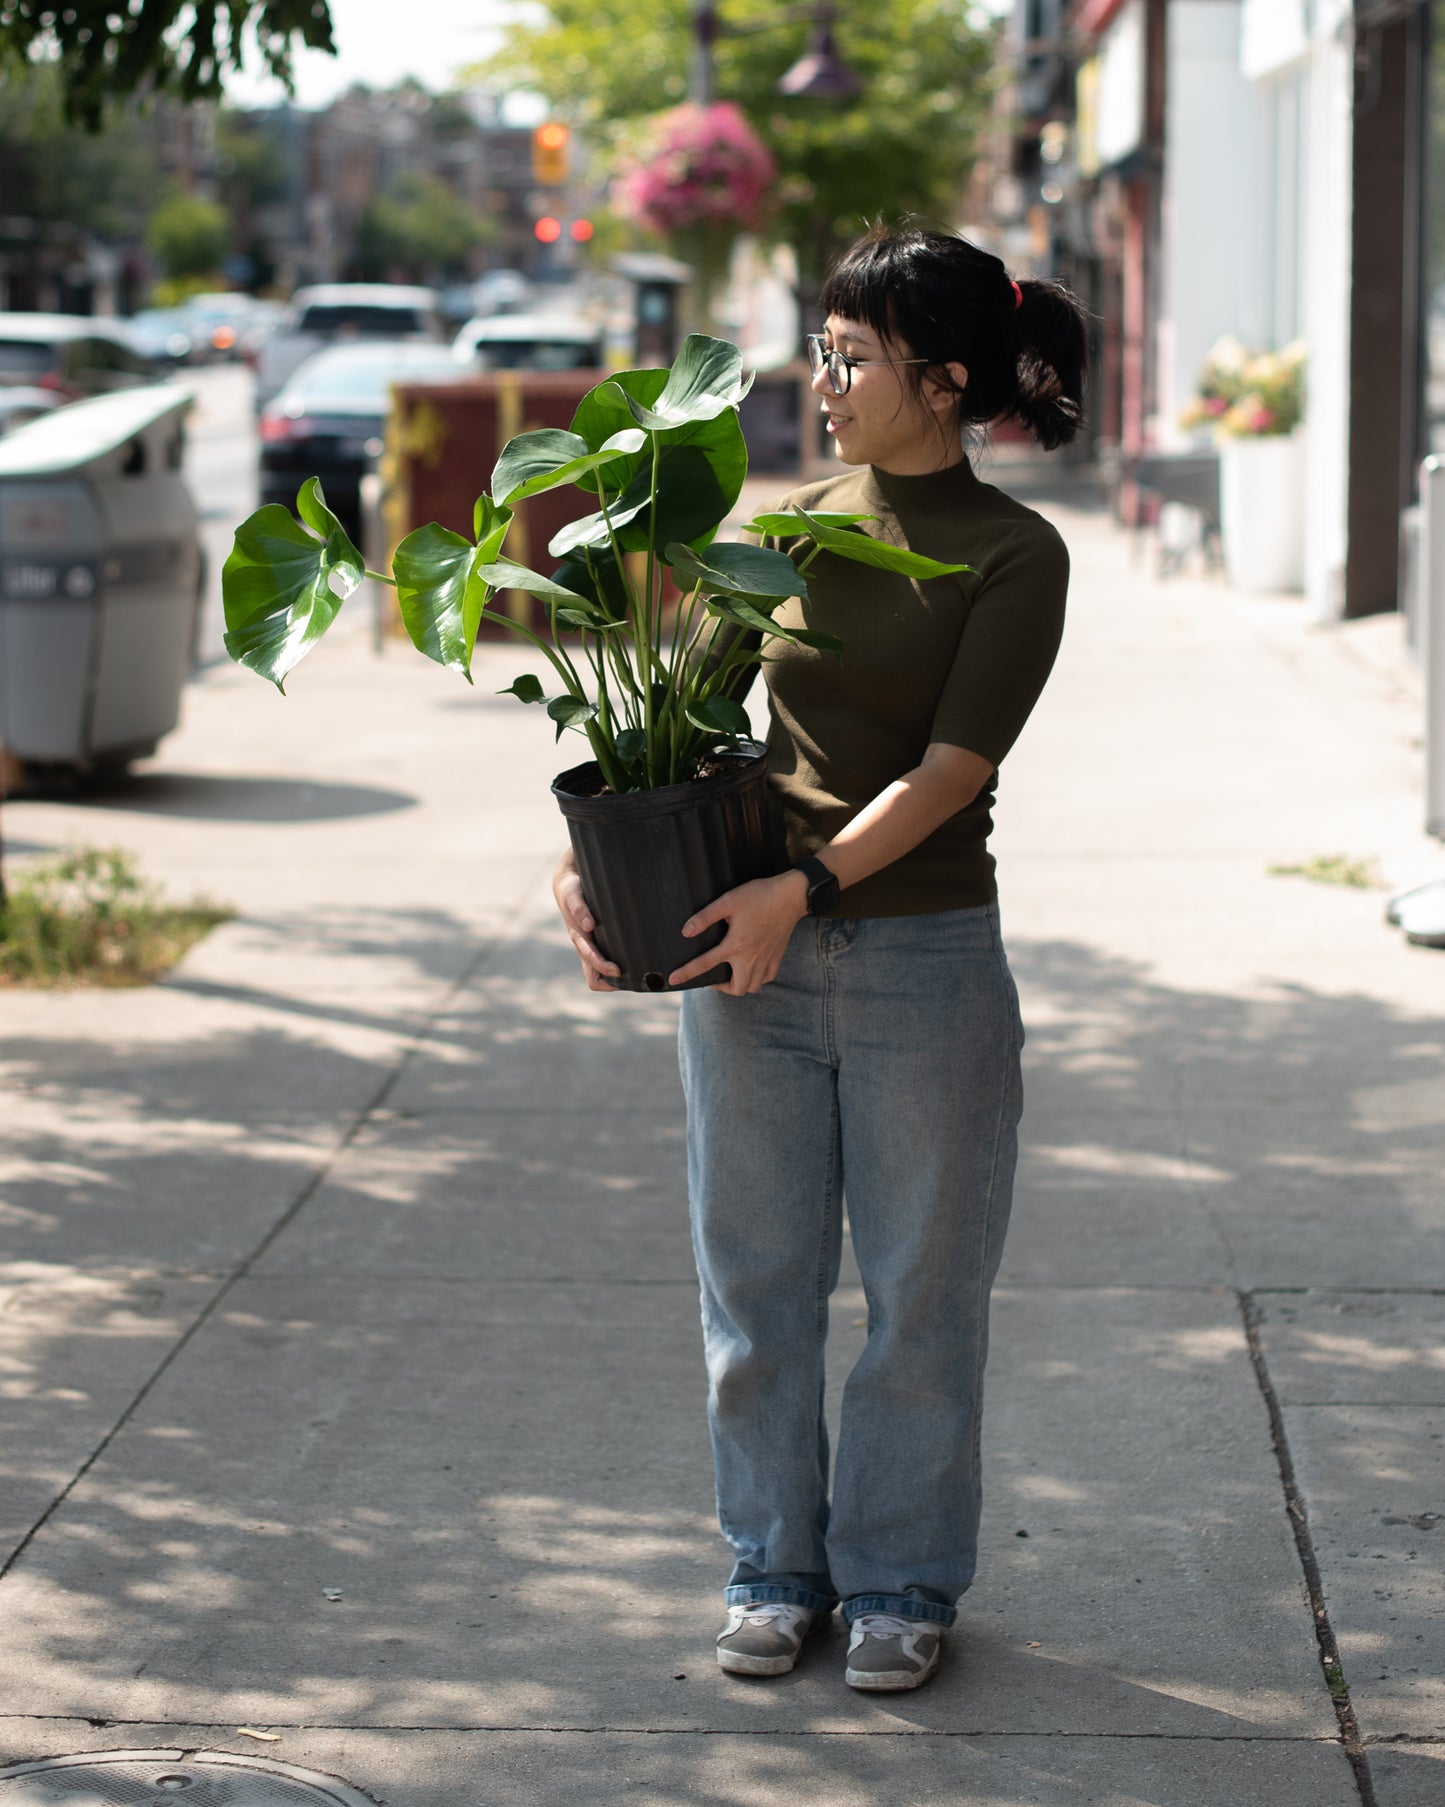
x=761 y=917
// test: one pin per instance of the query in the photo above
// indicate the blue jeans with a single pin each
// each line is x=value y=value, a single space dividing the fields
x=885 y=1059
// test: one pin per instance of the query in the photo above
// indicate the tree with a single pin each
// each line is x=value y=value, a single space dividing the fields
x=107 y=49
x=906 y=144
x=419 y=227
x=189 y=235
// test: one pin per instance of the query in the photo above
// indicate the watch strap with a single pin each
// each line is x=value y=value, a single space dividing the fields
x=823 y=888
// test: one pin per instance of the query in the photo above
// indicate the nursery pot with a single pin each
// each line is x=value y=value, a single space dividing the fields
x=648 y=859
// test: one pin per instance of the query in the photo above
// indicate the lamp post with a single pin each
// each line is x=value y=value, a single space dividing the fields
x=819 y=74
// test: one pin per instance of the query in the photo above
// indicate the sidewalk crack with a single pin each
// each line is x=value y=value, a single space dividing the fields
x=1333 y=1668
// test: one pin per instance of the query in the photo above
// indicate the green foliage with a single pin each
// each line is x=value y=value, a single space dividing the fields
x=101 y=183
x=105 y=51
x=188 y=234
x=906 y=144
x=419 y=227
x=662 y=453
x=86 y=917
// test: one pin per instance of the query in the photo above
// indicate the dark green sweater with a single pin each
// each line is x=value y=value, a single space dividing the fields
x=958 y=659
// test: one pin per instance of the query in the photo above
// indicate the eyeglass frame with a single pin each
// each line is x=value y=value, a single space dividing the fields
x=822 y=357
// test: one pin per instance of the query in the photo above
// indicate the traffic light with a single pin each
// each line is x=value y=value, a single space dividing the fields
x=548 y=230
x=581 y=231
x=551 y=154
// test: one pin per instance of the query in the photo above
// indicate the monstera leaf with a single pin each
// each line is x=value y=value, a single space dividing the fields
x=706 y=380
x=852 y=542
x=738 y=570
x=535 y=462
x=282 y=586
x=440 y=589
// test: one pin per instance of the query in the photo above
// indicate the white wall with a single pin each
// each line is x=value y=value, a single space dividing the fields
x=1326 y=194
x=1218 y=247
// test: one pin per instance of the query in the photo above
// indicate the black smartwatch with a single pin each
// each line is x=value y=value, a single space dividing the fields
x=822 y=885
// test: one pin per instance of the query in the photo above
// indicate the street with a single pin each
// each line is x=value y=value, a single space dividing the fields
x=221 y=466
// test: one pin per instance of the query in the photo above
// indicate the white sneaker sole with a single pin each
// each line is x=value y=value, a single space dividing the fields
x=738 y=1662
x=892 y=1681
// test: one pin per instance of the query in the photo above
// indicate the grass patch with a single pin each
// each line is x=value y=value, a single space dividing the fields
x=87 y=917
x=1335 y=869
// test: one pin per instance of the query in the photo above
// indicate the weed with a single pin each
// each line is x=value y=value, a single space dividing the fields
x=87 y=917
x=1335 y=869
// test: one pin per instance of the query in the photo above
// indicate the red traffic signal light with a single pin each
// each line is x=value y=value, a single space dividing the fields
x=551 y=154
x=581 y=231
x=548 y=230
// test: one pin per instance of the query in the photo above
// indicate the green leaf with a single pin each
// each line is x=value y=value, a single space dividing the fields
x=571 y=712
x=746 y=613
x=596 y=576
x=812 y=636
x=721 y=713
x=706 y=379
x=604 y=410
x=489 y=526
x=504 y=574
x=282 y=586
x=631 y=744
x=591 y=530
x=441 y=594
x=527 y=689
x=785 y=526
x=535 y=462
x=739 y=570
x=855 y=544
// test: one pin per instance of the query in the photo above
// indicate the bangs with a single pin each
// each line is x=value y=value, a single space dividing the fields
x=862 y=286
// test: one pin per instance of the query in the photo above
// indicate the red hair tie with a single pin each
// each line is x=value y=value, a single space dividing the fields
x=1018 y=294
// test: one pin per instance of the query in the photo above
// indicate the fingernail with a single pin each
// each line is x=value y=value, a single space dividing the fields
x=588 y=924
x=688 y=929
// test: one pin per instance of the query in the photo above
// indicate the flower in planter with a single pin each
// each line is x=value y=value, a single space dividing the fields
x=697 y=166
x=698 y=177
x=1249 y=394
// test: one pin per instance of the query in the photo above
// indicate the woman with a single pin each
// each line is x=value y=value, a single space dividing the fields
x=869 y=1036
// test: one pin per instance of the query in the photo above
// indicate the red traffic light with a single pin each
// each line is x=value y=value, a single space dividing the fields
x=581 y=231
x=548 y=230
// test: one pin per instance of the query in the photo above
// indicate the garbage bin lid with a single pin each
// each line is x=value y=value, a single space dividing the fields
x=69 y=438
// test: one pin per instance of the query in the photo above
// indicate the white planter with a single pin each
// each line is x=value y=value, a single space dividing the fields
x=1262 y=512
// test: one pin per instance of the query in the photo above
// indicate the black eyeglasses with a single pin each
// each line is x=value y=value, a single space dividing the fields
x=840 y=367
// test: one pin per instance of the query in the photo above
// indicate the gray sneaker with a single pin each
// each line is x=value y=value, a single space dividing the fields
x=764 y=1637
x=885 y=1652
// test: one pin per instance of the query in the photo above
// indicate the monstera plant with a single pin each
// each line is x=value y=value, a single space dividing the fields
x=642 y=668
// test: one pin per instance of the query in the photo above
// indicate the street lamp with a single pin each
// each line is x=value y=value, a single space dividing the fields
x=819 y=74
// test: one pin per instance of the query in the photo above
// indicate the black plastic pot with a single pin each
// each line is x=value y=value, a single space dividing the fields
x=648 y=859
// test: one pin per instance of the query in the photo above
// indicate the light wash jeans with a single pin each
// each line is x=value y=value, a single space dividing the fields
x=885 y=1059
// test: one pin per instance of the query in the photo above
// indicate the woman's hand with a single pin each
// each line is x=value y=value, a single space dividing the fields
x=597 y=969
x=761 y=916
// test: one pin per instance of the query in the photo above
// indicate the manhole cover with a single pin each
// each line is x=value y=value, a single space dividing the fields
x=165 y=1778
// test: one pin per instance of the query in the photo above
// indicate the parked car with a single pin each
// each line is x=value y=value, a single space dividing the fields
x=500 y=292
x=20 y=404
x=69 y=354
x=530 y=342
x=217 y=322
x=329 y=419
x=335 y=311
x=166 y=336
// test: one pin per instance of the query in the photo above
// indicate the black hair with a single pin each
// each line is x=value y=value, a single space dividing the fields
x=1024 y=344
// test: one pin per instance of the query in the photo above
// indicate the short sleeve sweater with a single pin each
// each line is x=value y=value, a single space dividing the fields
x=959 y=659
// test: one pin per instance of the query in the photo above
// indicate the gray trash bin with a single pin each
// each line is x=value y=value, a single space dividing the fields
x=100 y=576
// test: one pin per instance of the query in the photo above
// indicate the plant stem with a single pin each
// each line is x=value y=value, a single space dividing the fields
x=377 y=577
x=653 y=650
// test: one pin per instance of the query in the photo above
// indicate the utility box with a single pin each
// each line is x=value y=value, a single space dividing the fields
x=100 y=579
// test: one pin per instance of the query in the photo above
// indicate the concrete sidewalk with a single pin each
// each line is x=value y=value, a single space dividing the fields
x=353 y=1261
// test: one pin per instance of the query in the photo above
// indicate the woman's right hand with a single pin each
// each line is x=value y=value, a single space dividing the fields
x=597 y=969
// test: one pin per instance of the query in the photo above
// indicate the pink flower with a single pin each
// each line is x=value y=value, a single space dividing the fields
x=703 y=164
